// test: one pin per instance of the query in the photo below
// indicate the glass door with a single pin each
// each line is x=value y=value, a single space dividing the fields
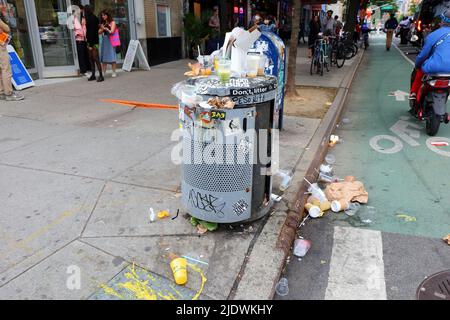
x=54 y=41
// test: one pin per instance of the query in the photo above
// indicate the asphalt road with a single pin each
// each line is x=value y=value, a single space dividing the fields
x=388 y=248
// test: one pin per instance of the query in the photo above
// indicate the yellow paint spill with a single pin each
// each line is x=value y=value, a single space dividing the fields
x=197 y=269
x=110 y=291
x=141 y=289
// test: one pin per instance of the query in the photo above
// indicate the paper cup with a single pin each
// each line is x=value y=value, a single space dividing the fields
x=315 y=212
x=338 y=206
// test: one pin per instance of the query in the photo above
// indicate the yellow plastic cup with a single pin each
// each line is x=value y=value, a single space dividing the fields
x=179 y=270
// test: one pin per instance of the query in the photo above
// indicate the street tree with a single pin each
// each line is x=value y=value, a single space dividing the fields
x=291 y=90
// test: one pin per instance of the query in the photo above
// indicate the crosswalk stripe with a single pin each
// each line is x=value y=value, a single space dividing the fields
x=356 y=266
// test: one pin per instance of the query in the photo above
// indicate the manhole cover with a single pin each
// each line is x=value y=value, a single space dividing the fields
x=435 y=287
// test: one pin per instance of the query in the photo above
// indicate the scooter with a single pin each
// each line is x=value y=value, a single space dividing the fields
x=431 y=104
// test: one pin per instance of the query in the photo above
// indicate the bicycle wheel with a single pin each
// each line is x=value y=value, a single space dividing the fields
x=340 y=55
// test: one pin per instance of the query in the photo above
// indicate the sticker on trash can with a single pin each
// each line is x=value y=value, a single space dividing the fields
x=218 y=115
x=245 y=146
x=232 y=127
x=240 y=207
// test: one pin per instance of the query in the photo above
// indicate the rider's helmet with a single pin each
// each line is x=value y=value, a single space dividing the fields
x=445 y=17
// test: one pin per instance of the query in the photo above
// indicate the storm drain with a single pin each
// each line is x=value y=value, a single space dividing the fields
x=435 y=287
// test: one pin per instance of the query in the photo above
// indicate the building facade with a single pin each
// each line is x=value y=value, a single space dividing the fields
x=46 y=44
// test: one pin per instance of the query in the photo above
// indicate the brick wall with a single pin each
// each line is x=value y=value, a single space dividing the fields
x=175 y=17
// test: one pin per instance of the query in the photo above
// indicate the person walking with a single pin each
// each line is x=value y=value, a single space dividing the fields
x=107 y=52
x=328 y=24
x=337 y=25
x=390 y=26
x=314 y=30
x=79 y=29
x=268 y=25
x=92 y=39
x=214 y=24
x=6 y=90
x=405 y=25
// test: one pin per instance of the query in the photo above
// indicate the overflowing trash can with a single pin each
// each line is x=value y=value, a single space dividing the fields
x=227 y=143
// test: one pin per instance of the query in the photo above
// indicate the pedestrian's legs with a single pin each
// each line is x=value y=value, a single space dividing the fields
x=104 y=66
x=389 y=35
x=5 y=68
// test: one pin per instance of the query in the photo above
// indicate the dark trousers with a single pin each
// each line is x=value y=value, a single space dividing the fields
x=83 y=57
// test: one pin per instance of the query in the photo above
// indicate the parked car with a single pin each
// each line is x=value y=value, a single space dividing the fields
x=48 y=34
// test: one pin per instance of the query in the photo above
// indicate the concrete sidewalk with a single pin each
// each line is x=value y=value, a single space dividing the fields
x=78 y=179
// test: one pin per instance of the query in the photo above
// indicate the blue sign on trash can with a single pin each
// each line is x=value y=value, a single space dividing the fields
x=274 y=49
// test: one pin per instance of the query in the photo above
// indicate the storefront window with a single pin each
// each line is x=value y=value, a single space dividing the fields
x=14 y=12
x=54 y=33
x=163 y=20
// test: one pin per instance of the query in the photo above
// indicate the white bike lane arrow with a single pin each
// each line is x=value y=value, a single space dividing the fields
x=399 y=95
x=407 y=131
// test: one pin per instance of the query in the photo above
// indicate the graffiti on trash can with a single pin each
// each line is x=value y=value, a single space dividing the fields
x=206 y=202
x=240 y=207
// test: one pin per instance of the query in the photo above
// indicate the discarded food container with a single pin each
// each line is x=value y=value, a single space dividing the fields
x=252 y=64
x=163 y=214
x=282 y=287
x=179 y=270
x=286 y=179
x=314 y=211
x=326 y=168
x=338 y=206
x=317 y=192
x=352 y=208
x=301 y=247
x=152 y=215
x=330 y=159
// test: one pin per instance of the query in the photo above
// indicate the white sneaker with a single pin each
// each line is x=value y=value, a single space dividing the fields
x=14 y=97
x=114 y=75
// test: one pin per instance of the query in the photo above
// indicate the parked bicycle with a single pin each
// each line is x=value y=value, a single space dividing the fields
x=320 y=58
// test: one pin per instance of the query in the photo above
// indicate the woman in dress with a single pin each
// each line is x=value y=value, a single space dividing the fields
x=107 y=52
x=92 y=24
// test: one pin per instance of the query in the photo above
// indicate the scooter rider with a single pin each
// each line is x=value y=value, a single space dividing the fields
x=435 y=55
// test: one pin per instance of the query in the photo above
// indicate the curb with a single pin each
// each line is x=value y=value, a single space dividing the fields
x=268 y=256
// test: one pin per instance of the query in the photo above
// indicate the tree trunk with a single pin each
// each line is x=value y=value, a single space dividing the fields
x=352 y=12
x=291 y=91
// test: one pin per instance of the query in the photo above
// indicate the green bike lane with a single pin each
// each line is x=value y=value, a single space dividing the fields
x=413 y=181
x=391 y=244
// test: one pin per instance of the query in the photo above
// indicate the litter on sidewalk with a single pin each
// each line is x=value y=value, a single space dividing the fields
x=447 y=239
x=301 y=247
x=282 y=288
x=204 y=226
x=407 y=218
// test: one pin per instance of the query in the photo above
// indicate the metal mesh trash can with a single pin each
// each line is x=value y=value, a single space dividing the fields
x=227 y=153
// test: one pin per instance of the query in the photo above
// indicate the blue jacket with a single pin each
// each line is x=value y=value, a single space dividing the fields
x=435 y=60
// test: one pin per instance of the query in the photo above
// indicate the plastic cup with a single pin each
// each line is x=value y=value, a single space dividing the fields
x=330 y=159
x=252 y=65
x=188 y=95
x=282 y=288
x=224 y=70
x=262 y=65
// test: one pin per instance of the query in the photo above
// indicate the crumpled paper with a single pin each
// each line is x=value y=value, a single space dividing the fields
x=348 y=190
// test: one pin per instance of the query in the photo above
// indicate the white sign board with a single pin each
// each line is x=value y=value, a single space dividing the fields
x=135 y=48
